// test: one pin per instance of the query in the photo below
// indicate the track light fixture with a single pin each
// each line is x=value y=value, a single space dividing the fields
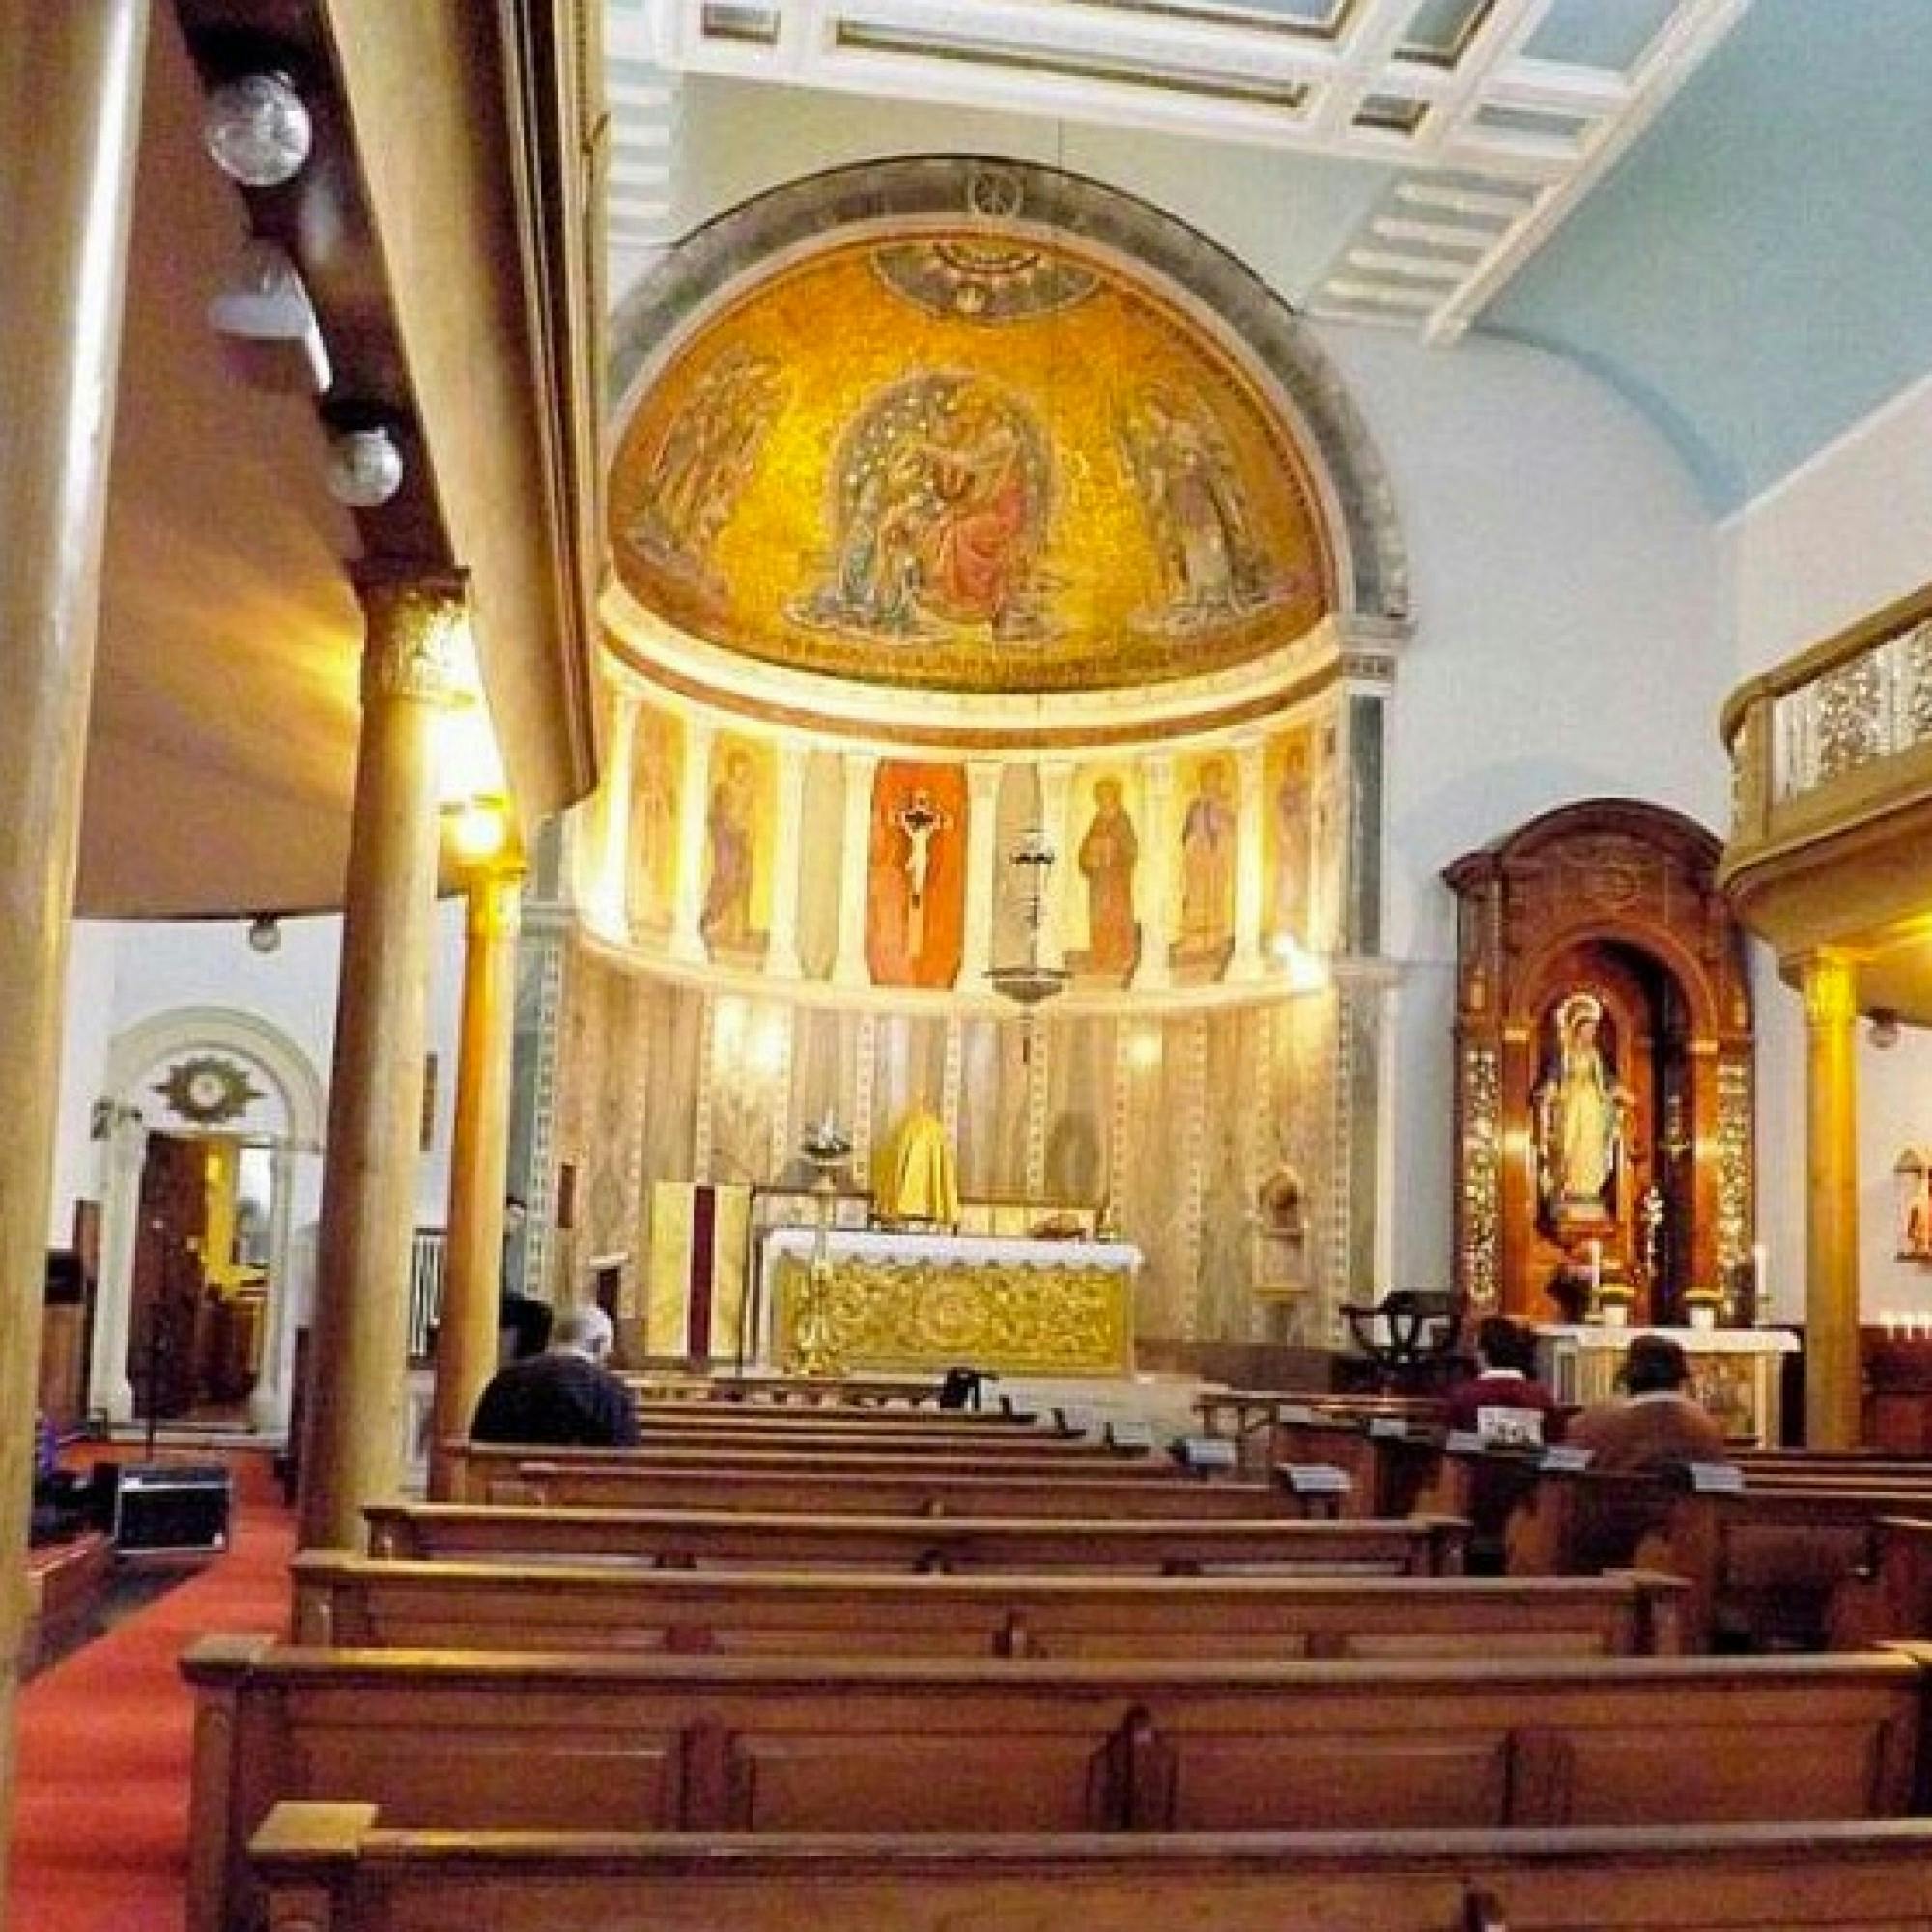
x=257 y=129
x=365 y=468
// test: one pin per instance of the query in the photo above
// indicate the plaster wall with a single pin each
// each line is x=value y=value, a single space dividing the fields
x=1570 y=641
x=1837 y=539
x=120 y=972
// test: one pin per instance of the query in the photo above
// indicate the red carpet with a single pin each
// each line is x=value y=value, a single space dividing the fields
x=101 y=1817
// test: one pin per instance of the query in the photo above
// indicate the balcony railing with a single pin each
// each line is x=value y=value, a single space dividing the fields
x=1827 y=735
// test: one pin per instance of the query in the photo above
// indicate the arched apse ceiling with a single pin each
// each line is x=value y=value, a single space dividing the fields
x=983 y=426
x=1757 y=274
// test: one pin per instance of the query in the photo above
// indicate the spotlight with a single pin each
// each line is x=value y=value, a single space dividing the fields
x=1883 y=1028
x=265 y=934
x=257 y=129
x=365 y=468
x=264 y=303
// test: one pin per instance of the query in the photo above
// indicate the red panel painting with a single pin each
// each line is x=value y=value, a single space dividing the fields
x=916 y=880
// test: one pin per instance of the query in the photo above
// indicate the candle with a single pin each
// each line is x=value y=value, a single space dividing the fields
x=1760 y=1256
x=1595 y=1264
x=1890 y=1319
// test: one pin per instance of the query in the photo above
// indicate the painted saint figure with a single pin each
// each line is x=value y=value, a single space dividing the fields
x=726 y=918
x=1108 y=855
x=1213 y=567
x=1579 y=1107
x=1208 y=864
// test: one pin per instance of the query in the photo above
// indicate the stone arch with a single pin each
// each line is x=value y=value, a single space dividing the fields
x=297 y=1086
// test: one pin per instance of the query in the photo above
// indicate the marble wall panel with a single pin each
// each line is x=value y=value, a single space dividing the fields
x=909 y=1068
x=673 y=1032
x=1160 y=1173
x=1232 y=1134
x=992 y=1110
x=749 y=1084
x=818 y=881
x=1079 y=1109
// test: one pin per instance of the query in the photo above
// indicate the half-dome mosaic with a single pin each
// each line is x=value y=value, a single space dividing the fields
x=971 y=462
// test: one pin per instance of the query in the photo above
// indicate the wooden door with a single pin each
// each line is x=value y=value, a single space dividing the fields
x=169 y=1281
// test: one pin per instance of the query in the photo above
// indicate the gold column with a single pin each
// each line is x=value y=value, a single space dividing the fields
x=1832 y=1367
x=70 y=123
x=466 y=1337
x=352 y=1454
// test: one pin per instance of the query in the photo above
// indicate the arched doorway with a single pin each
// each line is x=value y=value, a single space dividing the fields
x=208 y=1117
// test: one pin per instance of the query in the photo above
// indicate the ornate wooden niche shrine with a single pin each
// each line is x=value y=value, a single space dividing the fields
x=1603 y=1083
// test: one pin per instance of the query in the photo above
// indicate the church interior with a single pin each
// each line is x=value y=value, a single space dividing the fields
x=1072 y=757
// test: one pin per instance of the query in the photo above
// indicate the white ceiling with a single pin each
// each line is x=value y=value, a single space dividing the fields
x=1484 y=122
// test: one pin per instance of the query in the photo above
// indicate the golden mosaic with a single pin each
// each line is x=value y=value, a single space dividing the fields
x=966 y=462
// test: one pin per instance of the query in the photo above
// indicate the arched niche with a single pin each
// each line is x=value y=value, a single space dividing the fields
x=1603 y=1071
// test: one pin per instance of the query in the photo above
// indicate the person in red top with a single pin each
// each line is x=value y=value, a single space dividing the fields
x=1503 y=1403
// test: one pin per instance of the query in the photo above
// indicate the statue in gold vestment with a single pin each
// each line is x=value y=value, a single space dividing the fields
x=915 y=1178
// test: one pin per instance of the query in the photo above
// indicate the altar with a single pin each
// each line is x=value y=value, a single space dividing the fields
x=1735 y=1373
x=896 y=1300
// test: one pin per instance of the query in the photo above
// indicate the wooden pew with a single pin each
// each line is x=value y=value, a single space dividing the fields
x=477 y=1468
x=711 y=1539
x=357 y=1602
x=1889 y=1599
x=695 y=1744
x=806 y=1490
x=64 y=1585
x=335 y=1867
x=1763 y=1563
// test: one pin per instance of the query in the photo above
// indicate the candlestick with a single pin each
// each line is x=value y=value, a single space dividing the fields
x=1595 y=1265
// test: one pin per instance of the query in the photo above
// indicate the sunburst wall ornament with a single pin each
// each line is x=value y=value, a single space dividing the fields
x=208 y=1091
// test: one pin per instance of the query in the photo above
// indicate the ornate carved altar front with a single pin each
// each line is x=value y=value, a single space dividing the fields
x=1604 y=1074
x=895 y=1301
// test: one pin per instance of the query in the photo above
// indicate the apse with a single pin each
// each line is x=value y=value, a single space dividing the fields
x=1002 y=603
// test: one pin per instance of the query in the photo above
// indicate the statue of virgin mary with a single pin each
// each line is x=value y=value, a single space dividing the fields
x=1579 y=1105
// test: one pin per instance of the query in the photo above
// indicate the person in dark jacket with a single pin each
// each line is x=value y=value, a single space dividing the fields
x=564 y=1398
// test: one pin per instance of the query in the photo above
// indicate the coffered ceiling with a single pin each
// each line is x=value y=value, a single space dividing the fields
x=1485 y=121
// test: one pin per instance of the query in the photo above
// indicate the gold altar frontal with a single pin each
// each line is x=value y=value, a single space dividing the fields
x=896 y=1302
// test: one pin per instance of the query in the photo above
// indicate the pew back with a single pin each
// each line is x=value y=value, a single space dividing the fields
x=846 y=1489
x=489 y=1739
x=358 y=1603
x=336 y=1868
x=686 y=1539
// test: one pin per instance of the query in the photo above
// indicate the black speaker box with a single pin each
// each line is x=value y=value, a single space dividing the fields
x=172 y=1509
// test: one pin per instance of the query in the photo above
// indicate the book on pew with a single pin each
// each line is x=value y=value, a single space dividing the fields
x=1316 y=1479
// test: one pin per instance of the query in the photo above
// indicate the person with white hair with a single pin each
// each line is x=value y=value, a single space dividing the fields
x=566 y=1397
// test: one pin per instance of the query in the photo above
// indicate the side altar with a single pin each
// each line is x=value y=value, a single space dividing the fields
x=894 y=1301
x=1735 y=1373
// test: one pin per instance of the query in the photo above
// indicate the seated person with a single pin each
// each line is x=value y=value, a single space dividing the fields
x=1657 y=1424
x=1503 y=1403
x=564 y=1397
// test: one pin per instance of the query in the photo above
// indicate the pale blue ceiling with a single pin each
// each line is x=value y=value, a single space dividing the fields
x=1757 y=273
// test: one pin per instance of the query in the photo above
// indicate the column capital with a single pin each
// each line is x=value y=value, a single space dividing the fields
x=411 y=616
x=494 y=895
x=1829 y=982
